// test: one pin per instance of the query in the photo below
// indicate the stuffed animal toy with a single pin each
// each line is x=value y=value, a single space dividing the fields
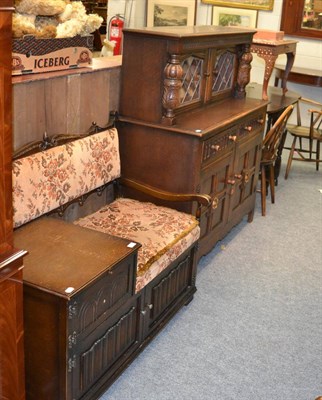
x=74 y=21
x=23 y=25
x=107 y=48
x=40 y=7
x=53 y=19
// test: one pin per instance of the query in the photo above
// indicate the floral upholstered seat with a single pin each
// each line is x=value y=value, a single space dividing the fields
x=164 y=233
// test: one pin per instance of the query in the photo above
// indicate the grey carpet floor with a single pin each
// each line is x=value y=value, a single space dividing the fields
x=254 y=328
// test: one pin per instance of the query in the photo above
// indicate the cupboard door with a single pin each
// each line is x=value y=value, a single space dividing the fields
x=206 y=76
x=193 y=69
x=246 y=167
x=223 y=73
x=172 y=288
x=95 y=359
x=216 y=181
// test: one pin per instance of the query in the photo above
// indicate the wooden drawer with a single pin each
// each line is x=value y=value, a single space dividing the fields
x=99 y=300
x=251 y=125
x=218 y=144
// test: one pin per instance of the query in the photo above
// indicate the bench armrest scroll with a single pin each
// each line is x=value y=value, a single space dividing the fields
x=202 y=199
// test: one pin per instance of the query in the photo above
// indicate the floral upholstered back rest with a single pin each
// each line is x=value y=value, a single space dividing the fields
x=51 y=178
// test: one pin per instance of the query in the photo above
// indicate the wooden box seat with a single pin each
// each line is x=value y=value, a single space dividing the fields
x=46 y=180
x=137 y=291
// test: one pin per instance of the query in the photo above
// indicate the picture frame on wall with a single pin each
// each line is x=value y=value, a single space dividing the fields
x=249 y=4
x=227 y=16
x=171 y=12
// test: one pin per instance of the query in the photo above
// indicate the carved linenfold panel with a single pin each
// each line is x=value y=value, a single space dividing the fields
x=223 y=72
x=108 y=348
x=170 y=287
x=192 y=68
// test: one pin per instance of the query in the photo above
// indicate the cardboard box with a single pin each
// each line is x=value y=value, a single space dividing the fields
x=267 y=34
x=33 y=55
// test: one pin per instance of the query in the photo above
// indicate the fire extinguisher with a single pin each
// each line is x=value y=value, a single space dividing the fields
x=115 y=33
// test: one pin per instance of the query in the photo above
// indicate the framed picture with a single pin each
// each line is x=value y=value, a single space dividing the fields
x=226 y=16
x=250 y=4
x=171 y=12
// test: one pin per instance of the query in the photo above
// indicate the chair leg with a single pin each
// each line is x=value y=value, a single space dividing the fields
x=263 y=190
x=311 y=148
x=317 y=154
x=290 y=158
x=272 y=182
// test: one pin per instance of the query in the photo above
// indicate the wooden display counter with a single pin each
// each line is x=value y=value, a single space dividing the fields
x=65 y=101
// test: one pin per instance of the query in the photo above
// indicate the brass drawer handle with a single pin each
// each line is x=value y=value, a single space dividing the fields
x=215 y=147
x=260 y=121
x=149 y=306
x=248 y=128
x=233 y=138
x=215 y=203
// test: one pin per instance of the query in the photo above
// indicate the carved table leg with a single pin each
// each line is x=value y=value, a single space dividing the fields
x=288 y=67
x=269 y=66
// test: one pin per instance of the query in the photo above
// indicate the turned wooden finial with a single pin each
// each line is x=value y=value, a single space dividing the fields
x=171 y=89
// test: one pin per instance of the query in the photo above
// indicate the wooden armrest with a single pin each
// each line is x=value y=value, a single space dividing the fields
x=202 y=199
x=309 y=101
x=315 y=111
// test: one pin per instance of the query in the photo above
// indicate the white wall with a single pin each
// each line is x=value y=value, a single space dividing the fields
x=132 y=10
x=309 y=52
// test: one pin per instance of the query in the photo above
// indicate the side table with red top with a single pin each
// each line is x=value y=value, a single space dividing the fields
x=269 y=50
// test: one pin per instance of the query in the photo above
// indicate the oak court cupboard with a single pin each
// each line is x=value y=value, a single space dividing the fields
x=186 y=123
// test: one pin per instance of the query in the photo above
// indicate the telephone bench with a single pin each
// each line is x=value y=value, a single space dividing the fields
x=97 y=288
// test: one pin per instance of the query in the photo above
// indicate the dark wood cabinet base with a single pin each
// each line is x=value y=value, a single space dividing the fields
x=84 y=326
